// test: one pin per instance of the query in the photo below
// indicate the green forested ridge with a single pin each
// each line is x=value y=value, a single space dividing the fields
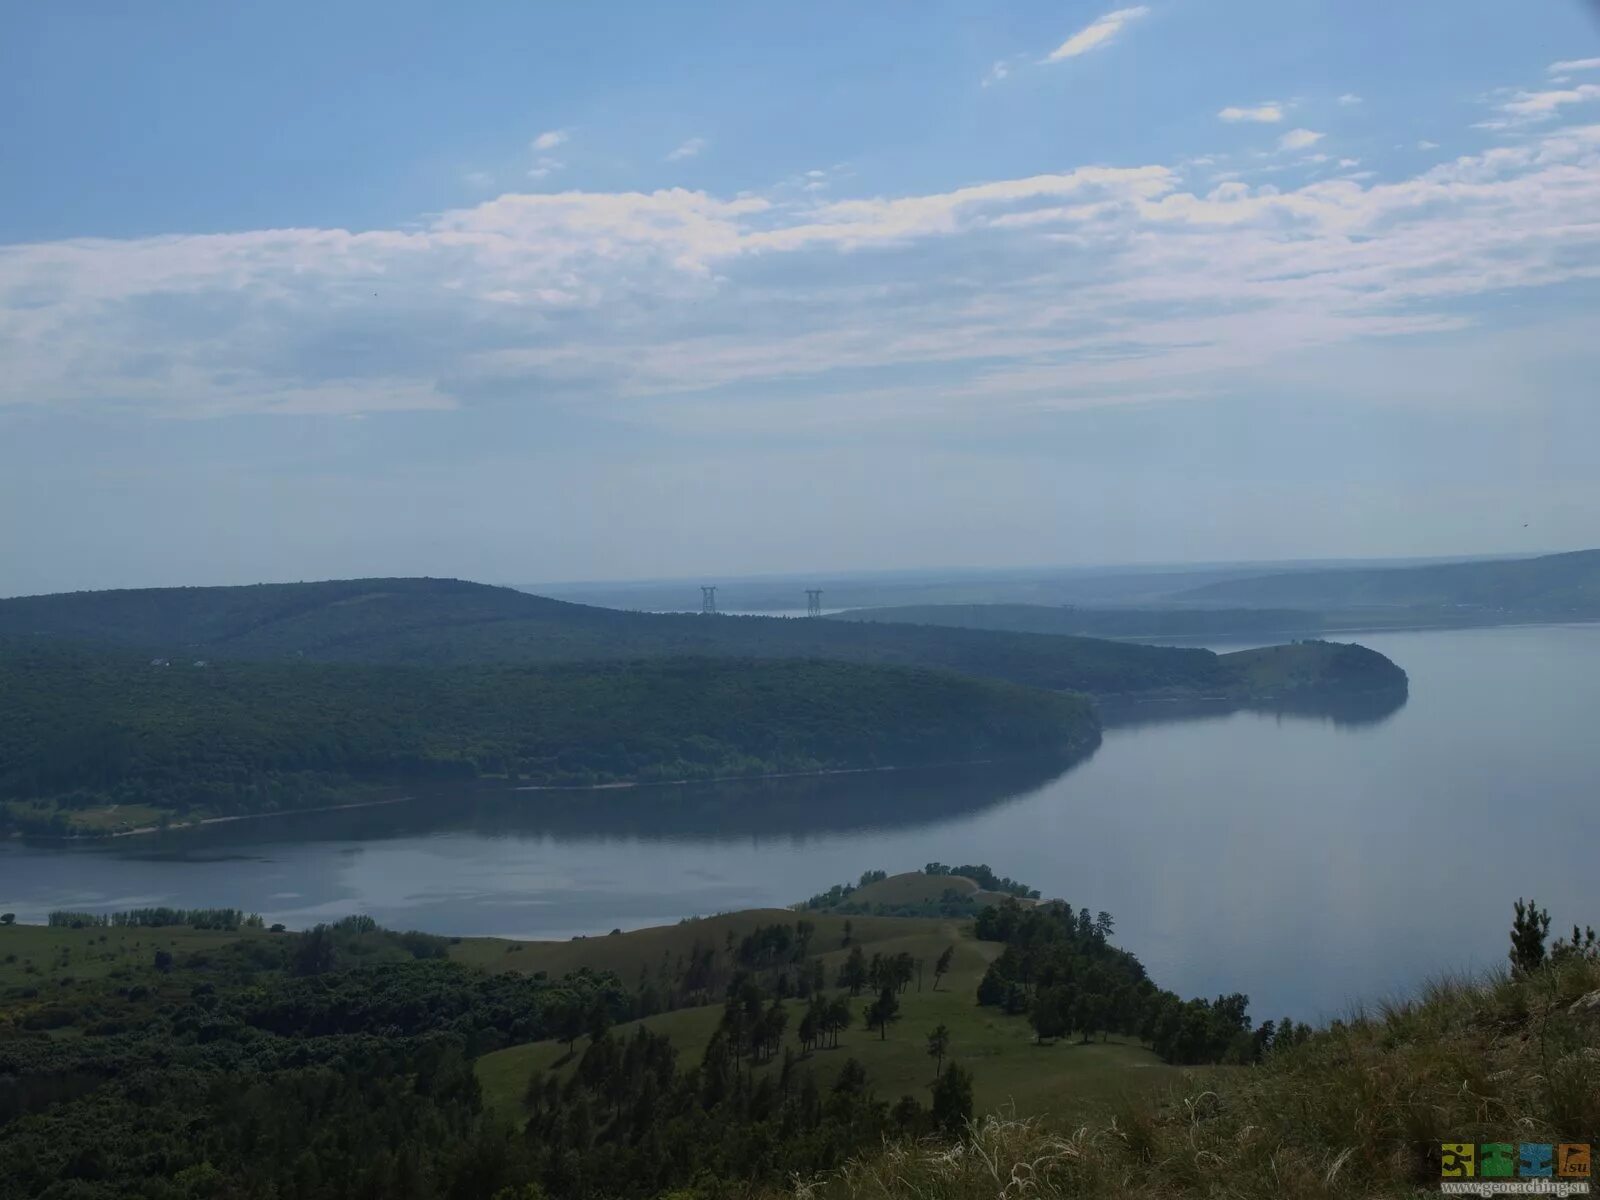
x=1551 y=586
x=1094 y=622
x=445 y=622
x=84 y=728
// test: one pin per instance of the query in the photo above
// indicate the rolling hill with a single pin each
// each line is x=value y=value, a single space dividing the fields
x=1095 y=622
x=1554 y=586
x=439 y=622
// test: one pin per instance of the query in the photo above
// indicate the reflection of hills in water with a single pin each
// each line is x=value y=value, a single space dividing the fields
x=799 y=807
x=1349 y=710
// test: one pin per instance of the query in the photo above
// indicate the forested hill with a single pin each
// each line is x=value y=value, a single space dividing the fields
x=1094 y=622
x=1552 y=586
x=85 y=728
x=449 y=622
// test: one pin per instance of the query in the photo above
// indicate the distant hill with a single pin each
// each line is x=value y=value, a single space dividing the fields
x=1095 y=622
x=86 y=733
x=450 y=622
x=1551 y=587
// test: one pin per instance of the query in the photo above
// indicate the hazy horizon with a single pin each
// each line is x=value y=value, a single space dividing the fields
x=915 y=573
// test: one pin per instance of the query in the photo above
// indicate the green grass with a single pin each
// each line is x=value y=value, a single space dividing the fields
x=625 y=953
x=41 y=956
x=1358 y=1111
x=1064 y=1079
x=912 y=887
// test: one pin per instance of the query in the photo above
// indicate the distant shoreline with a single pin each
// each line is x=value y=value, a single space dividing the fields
x=147 y=829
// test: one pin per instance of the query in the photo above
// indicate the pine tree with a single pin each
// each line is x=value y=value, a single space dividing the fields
x=941 y=966
x=952 y=1099
x=1528 y=930
x=938 y=1046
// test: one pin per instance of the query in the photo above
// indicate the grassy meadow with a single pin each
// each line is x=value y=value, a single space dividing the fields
x=1064 y=1079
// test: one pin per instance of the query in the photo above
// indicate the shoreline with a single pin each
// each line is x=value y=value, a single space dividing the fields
x=149 y=829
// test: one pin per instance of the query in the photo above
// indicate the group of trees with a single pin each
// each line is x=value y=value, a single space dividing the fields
x=1060 y=970
x=627 y=1121
x=886 y=972
x=985 y=878
x=195 y=918
x=259 y=1068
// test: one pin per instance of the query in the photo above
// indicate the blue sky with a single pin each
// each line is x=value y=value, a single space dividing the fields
x=538 y=292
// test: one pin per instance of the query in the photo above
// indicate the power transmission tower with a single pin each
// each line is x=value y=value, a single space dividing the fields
x=708 y=599
x=813 y=602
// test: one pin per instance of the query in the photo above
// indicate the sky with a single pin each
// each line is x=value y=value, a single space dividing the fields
x=528 y=293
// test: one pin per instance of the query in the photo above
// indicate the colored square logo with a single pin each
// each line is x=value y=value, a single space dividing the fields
x=1572 y=1160
x=1536 y=1160
x=1458 y=1160
x=1496 y=1160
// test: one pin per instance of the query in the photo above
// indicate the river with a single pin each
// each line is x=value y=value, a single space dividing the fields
x=1308 y=860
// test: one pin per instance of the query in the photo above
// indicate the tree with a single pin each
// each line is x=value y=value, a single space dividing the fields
x=952 y=1099
x=853 y=974
x=1048 y=1014
x=811 y=1024
x=883 y=1010
x=569 y=1023
x=847 y=930
x=906 y=1114
x=941 y=966
x=1528 y=930
x=938 y=1046
x=314 y=955
x=838 y=1018
x=597 y=1021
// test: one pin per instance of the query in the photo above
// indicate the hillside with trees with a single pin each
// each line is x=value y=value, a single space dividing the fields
x=84 y=728
x=1550 y=587
x=1066 y=619
x=448 y=622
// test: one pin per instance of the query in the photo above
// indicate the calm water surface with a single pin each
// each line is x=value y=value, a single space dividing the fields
x=1306 y=860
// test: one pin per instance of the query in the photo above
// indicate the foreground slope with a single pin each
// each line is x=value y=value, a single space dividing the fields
x=450 y=622
x=1360 y=1109
x=85 y=729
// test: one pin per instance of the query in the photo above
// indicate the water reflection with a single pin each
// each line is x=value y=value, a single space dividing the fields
x=1345 y=711
x=769 y=808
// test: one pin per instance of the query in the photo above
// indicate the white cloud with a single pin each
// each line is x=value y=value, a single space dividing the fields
x=1349 y=162
x=549 y=139
x=1425 y=144
x=1349 y=98
x=544 y=167
x=1299 y=139
x=688 y=149
x=1574 y=64
x=1099 y=285
x=479 y=179
x=1267 y=112
x=1538 y=106
x=997 y=73
x=1097 y=33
